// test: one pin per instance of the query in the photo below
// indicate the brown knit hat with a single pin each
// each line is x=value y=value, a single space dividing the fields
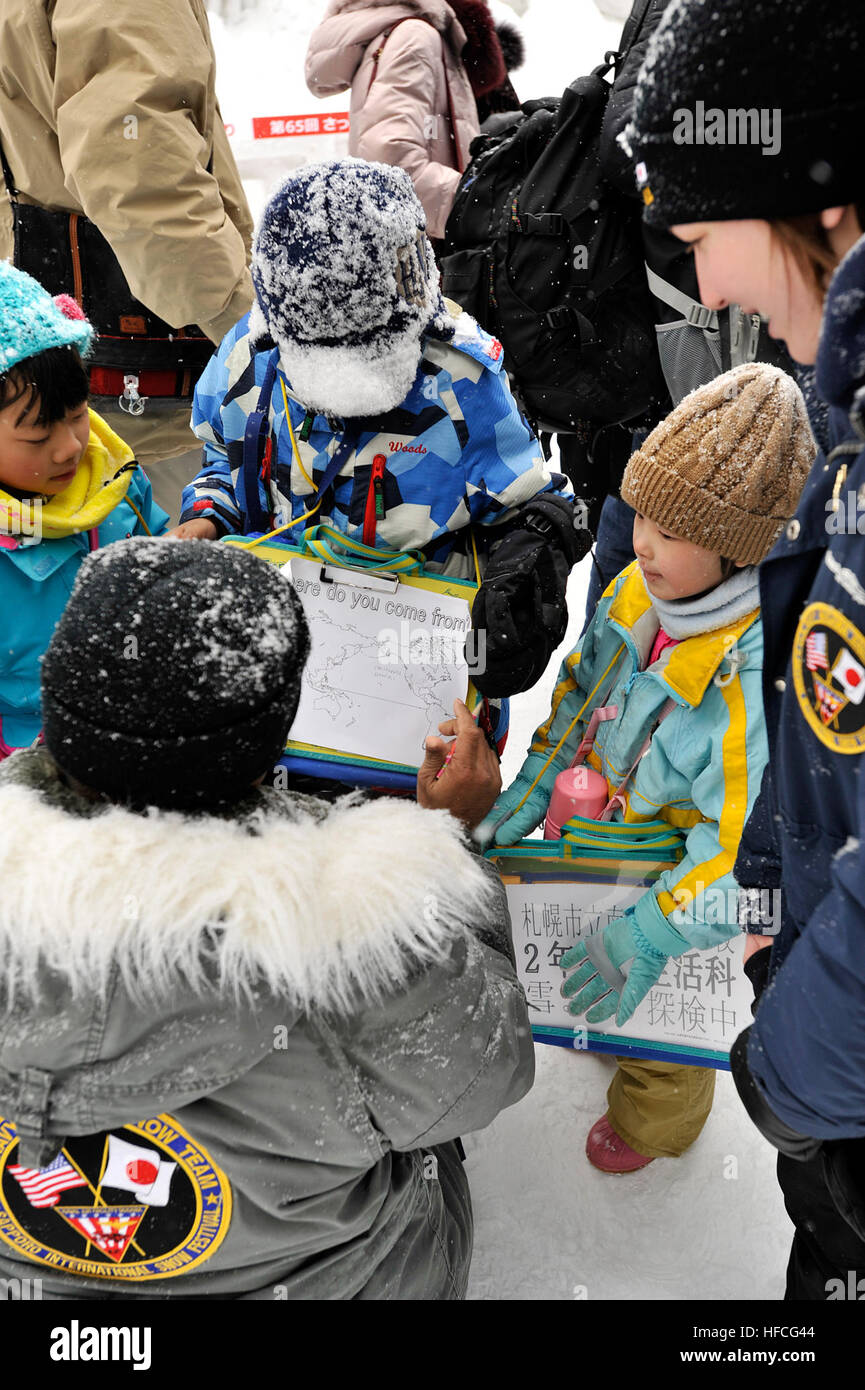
x=726 y=467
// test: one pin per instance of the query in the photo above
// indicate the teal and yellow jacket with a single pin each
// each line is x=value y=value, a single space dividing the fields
x=41 y=551
x=703 y=769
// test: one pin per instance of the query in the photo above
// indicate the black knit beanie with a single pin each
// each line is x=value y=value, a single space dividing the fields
x=750 y=109
x=173 y=675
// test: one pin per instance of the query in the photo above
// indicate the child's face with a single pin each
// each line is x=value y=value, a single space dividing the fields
x=673 y=568
x=42 y=459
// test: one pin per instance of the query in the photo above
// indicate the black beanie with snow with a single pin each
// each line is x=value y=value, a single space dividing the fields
x=174 y=673
x=750 y=109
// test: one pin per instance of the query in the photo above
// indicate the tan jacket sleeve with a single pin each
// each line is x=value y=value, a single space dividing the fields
x=405 y=114
x=136 y=115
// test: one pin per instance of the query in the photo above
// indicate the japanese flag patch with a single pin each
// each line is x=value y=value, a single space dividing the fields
x=829 y=677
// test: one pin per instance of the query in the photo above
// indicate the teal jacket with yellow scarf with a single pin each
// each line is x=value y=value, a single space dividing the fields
x=41 y=549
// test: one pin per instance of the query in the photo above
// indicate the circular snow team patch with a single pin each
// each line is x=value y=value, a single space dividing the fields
x=142 y=1201
x=829 y=676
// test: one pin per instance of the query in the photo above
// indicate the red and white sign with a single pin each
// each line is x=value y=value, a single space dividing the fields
x=849 y=674
x=278 y=127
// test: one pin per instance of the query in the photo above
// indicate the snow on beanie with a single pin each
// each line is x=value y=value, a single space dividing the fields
x=174 y=673
x=347 y=285
x=31 y=321
x=750 y=109
x=726 y=467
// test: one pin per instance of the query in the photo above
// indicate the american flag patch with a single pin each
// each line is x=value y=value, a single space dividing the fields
x=42 y=1186
x=816 y=652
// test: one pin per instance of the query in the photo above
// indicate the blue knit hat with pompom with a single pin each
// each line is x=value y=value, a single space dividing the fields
x=31 y=321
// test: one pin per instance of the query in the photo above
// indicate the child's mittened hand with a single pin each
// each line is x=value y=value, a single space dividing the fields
x=515 y=824
x=201 y=530
x=613 y=970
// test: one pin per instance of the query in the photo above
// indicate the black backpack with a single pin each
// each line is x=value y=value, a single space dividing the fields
x=547 y=255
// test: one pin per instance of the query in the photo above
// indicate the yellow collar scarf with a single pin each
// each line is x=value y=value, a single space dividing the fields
x=101 y=482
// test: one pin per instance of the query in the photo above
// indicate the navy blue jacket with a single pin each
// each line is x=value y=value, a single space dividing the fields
x=806 y=835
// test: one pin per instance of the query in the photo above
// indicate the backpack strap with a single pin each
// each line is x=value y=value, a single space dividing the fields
x=383 y=40
x=615 y=57
x=618 y=797
x=375 y=62
x=696 y=313
x=256 y=436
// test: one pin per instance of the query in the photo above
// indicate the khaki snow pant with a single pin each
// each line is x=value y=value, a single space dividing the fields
x=659 y=1108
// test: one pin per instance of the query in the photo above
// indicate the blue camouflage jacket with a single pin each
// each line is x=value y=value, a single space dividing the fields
x=807 y=1047
x=455 y=452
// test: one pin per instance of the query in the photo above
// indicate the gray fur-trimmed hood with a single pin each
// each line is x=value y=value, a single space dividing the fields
x=327 y=907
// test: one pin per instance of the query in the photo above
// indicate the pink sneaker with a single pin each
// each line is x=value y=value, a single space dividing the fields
x=608 y=1151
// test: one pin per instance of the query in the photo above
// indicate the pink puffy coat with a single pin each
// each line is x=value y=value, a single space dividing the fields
x=402 y=91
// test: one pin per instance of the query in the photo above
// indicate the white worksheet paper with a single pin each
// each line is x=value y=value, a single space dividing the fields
x=385 y=665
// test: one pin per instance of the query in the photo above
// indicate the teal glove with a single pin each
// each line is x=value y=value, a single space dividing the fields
x=505 y=825
x=613 y=970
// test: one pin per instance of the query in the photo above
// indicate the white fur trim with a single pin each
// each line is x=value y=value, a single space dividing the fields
x=351 y=381
x=321 y=911
x=257 y=327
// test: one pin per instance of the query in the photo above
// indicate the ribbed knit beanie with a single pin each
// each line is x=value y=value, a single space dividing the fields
x=174 y=673
x=31 y=321
x=750 y=109
x=346 y=285
x=726 y=467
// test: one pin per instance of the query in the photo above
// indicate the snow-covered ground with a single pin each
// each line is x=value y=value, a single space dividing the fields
x=710 y=1225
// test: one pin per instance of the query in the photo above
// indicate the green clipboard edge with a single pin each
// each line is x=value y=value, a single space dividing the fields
x=554 y=861
x=278 y=554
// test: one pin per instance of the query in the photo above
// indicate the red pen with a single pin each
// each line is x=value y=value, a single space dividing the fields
x=453 y=746
x=446 y=761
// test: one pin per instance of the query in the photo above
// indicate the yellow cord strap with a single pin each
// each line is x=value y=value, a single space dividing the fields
x=294 y=449
x=475 y=554
x=147 y=529
x=295 y=520
x=576 y=719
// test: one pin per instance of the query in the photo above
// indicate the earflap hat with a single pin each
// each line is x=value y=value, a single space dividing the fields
x=347 y=285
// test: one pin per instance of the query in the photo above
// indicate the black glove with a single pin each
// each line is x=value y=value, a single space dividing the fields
x=788 y=1141
x=757 y=970
x=520 y=607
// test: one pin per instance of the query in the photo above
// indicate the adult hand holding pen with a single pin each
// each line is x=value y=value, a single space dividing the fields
x=462 y=777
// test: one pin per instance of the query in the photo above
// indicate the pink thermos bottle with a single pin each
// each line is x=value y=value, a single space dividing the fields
x=579 y=790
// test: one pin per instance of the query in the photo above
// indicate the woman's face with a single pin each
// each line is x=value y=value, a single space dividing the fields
x=745 y=263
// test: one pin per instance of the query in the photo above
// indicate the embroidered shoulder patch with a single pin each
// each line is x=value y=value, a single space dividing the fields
x=471 y=339
x=829 y=677
x=142 y=1201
